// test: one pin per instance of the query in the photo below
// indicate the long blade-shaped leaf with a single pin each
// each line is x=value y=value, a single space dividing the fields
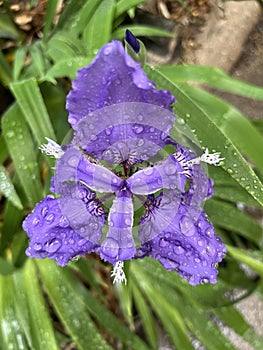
x=31 y=103
x=210 y=136
x=7 y=188
x=98 y=30
x=23 y=152
x=69 y=307
x=213 y=77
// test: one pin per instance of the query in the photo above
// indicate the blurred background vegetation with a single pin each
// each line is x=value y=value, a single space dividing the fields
x=42 y=306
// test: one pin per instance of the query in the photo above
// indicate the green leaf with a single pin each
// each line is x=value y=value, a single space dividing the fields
x=210 y=136
x=123 y=6
x=74 y=316
x=140 y=31
x=50 y=14
x=11 y=333
x=226 y=216
x=146 y=316
x=98 y=30
x=171 y=319
x=3 y=150
x=83 y=16
x=232 y=123
x=11 y=224
x=8 y=189
x=233 y=319
x=31 y=103
x=213 y=77
x=109 y=321
x=42 y=332
x=246 y=256
x=5 y=70
x=7 y=28
x=64 y=45
x=38 y=64
x=69 y=13
x=23 y=152
x=227 y=188
x=6 y=267
x=19 y=61
x=67 y=67
x=183 y=298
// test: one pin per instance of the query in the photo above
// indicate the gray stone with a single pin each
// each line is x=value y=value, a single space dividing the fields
x=221 y=41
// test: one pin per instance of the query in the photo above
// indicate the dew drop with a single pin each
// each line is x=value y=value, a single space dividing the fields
x=163 y=243
x=180 y=121
x=35 y=221
x=82 y=241
x=44 y=211
x=53 y=245
x=10 y=134
x=230 y=171
x=200 y=243
x=108 y=131
x=140 y=117
x=140 y=142
x=178 y=249
x=50 y=218
x=210 y=250
x=137 y=129
x=128 y=222
x=148 y=171
x=37 y=246
x=107 y=50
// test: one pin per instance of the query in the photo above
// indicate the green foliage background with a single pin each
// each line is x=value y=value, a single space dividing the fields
x=43 y=306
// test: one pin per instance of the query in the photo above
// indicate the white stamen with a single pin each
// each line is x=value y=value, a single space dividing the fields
x=213 y=159
x=52 y=149
x=118 y=273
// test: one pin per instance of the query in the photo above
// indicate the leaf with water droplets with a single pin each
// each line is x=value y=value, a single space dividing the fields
x=210 y=134
x=62 y=292
x=98 y=30
x=8 y=189
x=23 y=152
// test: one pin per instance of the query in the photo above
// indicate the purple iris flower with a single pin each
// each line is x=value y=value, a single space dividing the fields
x=113 y=169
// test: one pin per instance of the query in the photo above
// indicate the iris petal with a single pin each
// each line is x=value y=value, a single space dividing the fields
x=73 y=166
x=52 y=236
x=125 y=132
x=119 y=244
x=192 y=252
x=152 y=179
x=113 y=77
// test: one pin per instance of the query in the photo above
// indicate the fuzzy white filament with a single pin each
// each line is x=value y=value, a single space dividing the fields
x=209 y=158
x=118 y=273
x=51 y=149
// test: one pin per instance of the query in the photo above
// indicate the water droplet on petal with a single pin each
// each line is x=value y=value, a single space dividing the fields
x=108 y=131
x=140 y=142
x=137 y=129
x=50 y=218
x=148 y=171
x=210 y=250
x=82 y=241
x=44 y=211
x=53 y=245
x=107 y=50
x=37 y=246
x=72 y=120
x=140 y=117
x=178 y=249
x=35 y=221
x=163 y=243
